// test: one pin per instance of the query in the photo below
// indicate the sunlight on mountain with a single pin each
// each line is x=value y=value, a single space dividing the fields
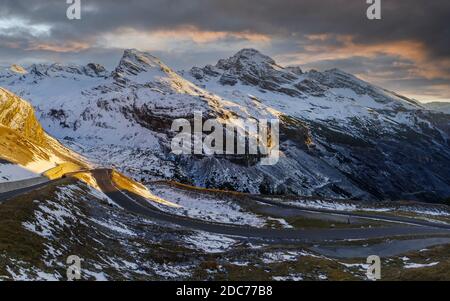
x=124 y=183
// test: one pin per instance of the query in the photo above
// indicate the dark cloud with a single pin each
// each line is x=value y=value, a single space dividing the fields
x=286 y=22
x=421 y=20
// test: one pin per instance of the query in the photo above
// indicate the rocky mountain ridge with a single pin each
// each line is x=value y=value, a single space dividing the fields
x=340 y=136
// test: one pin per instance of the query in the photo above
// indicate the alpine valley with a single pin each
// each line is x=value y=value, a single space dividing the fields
x=87 y=172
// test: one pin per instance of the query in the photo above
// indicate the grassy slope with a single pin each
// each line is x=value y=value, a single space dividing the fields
x=155 y=246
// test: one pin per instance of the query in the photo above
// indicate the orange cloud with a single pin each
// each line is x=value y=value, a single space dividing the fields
x=414 y=51
x=202 y=36
x=161 y=39
x=319 y=37
x=419 y=63
x=64 y=47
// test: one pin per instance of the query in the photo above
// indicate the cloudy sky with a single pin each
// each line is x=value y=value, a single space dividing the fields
x=408 y=51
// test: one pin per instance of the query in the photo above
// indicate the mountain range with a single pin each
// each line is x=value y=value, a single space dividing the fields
x=340 y=137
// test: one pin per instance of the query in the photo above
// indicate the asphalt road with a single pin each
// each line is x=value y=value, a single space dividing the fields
x=138 y=205
x=141 y=206
x=391 y=219
x=378 y=217
x=11 y=194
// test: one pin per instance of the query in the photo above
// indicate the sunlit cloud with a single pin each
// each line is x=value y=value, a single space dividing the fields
x=429 y=94
x=171 y=38
x=343 y=47
x=59 y=47
x=202 y=36
x=404 y=65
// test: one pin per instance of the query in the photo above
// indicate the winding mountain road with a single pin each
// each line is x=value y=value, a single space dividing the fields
x=138 y=205
x=141 y=206
x=347 y=214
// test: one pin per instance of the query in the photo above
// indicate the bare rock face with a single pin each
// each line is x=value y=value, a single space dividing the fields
x=18 y=115
x=295 y=69
x=67 y=71
x=93 y=69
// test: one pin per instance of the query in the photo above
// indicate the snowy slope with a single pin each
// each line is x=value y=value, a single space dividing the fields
x=340 y=136
x=250 y=76
x=11 y=172
x=388 y=145
x=443 y=107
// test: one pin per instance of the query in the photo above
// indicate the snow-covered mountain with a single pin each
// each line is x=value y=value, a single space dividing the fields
x=383 y=143
x=340 y=136
x=443 y=107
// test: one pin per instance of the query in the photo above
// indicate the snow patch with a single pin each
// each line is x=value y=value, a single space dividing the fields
x=210 y=243
x=412 y=265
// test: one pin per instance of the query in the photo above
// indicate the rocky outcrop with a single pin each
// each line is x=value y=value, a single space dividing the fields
x=18 y=115
x=59 y=70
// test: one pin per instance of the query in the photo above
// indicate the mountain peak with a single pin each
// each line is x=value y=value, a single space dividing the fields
x=250 y=67
x=246 y=57
x=136 y=61
x=18 y=69
x=141 y=68
x=253 y=54
x=295 y=69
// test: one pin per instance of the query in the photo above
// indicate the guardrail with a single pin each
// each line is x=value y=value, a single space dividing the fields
x=15 y=185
